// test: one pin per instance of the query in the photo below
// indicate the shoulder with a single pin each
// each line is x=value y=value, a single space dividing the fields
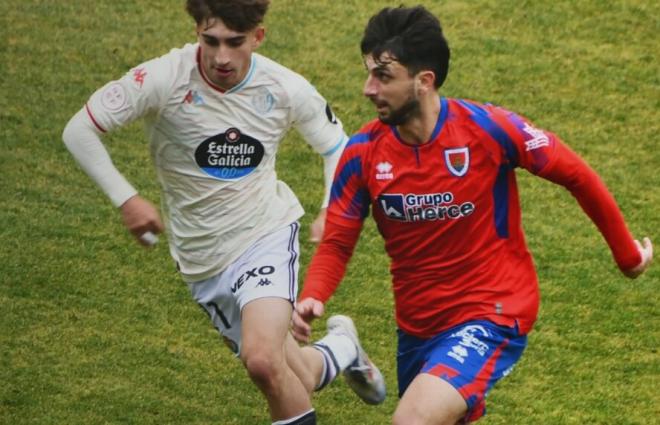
x=285 y=82
x=161 y=73
x=369 y=135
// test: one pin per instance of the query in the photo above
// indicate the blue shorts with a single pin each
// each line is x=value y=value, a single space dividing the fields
x=472 y=357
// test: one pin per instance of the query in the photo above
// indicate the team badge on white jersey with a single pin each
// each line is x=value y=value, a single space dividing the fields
x=457 y=161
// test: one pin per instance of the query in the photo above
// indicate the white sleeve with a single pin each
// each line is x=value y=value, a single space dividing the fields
x=82 y=139
x=322 y=130
x=141 y=91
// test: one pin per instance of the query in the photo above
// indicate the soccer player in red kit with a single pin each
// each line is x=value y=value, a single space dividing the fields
x=438 y=175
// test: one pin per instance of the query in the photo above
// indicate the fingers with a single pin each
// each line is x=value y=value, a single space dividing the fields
x=141 y=218
x=648 y=248
x=305 y=312
x=646 y=252
x=300 y=329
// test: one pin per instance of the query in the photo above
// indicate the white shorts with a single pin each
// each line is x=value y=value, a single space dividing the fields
x=269 y=268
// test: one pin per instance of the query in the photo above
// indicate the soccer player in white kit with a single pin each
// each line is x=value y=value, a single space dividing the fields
x=215 y=113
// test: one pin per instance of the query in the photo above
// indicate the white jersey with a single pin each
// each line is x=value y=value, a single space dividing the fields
x=214 y=151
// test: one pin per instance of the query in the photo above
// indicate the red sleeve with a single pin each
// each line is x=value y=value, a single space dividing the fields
x=329 y=263
x=569 y=170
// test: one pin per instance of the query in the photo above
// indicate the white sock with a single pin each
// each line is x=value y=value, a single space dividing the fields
x=338 y=352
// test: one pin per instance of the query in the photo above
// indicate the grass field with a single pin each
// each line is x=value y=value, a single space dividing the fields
x=94 y=329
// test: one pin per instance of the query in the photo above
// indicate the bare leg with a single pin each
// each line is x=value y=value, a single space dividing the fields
x=430 y=400
x=266 y=354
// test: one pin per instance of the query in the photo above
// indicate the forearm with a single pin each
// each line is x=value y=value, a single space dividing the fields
x=330 y=160
x=82 y=140
x=328 y=266
x=570 y=171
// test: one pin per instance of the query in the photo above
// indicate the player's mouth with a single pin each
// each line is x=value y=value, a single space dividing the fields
x=380 y=106
x=223 y=72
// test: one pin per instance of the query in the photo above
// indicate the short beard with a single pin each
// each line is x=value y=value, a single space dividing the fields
x=409 y=110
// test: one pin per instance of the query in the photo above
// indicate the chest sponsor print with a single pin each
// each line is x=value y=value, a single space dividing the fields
x=230 y=155
x=413 y=207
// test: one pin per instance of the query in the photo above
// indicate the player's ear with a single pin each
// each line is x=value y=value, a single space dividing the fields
x=259 y=35
x=424 y=81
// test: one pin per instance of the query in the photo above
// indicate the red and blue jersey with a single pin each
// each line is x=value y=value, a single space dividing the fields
x=449 y=213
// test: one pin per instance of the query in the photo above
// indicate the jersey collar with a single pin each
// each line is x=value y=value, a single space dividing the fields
x=440 y=122
x=234 y=89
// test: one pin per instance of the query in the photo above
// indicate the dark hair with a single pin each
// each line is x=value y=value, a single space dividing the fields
x=413 y=36
x=237 y=15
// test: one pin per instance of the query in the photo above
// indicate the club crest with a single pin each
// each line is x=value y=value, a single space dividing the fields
x=457 y=161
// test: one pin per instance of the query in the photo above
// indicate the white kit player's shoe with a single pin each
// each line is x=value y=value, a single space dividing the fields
x=362 y=375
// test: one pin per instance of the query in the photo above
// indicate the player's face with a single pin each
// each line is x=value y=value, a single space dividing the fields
x=391 y=88
x=226 y=54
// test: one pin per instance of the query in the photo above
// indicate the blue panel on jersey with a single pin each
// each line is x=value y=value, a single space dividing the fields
x=480 y=116
x=358 y=138
x=351 y=168
x=501 y=201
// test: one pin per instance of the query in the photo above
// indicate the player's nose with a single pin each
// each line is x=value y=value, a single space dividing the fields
x=370 y=88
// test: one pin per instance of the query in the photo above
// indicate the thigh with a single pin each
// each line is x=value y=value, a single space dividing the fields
x=268 y=269
x=265 y=326
x=430 y=401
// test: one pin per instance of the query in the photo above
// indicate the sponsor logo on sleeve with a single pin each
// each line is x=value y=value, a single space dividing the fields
x=138 y=76
x=457 y=161
x=113 y=97
x=424 y=207
x=230 y=155
x=539 y=138
x=330 y=114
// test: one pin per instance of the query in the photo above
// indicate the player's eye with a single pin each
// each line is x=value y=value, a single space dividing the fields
x=235 y=42
x=210 y=41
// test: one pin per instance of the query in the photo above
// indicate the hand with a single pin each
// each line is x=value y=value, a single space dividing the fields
x=140 y=217
x=317 y=227
x=305 y=311
x=646 y=251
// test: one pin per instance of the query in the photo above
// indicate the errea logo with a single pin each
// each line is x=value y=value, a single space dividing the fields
x=383 y=171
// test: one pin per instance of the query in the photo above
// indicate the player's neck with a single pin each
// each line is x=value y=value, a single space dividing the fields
x=418 y=130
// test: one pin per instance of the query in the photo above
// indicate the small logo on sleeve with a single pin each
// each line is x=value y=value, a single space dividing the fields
x=113 y=97
x=138 y=76
x=539 y=138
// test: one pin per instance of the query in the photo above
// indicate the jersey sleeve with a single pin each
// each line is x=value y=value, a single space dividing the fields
x=349 y=205
x=544 y=154
x=322 y=130
x=349 y=197
x=328 y=265
x=141 y=90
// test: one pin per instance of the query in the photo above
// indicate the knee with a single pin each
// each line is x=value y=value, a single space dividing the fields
x=264 y=370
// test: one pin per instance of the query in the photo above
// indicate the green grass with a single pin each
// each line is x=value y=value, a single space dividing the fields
x=94 y=329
